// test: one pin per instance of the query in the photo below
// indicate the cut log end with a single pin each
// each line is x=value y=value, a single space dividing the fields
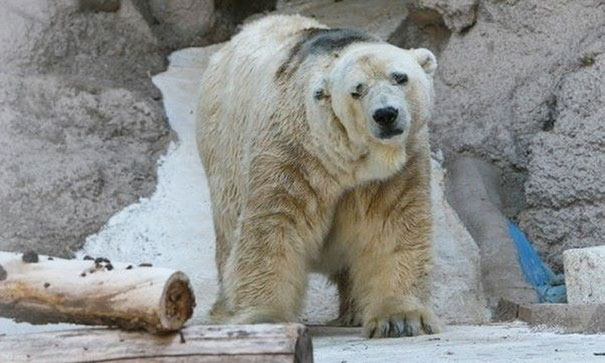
x=178 y=302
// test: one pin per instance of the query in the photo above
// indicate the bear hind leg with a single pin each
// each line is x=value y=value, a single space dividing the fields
x=348 y=311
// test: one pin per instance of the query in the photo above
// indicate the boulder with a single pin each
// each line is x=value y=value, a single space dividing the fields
x=81 y=124
x=457 y=287
x=473 y=189
x=457 y=15
x=585 y=275
x=188 y=23
x=182 y=23
x=379 y=17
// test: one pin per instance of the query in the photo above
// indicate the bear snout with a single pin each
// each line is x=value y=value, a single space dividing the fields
x=390 y=122
x=385 y=116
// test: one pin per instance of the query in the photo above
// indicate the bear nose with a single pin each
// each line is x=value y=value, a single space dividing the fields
x=385 y=116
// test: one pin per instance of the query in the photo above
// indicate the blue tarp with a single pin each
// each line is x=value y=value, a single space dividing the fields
x=549 y=286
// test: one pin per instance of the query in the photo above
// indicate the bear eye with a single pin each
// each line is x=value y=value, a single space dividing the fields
x=400 y=78
x=358 y=91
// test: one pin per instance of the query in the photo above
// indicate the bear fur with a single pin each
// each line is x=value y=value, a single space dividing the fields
x=315 y=146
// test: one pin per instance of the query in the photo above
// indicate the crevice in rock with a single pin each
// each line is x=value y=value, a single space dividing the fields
x=235 y=11
x=223 y=18
x=422 y=28
x=551 y=116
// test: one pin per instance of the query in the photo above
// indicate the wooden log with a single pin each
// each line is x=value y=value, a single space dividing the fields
x=271 y=343
x=42 y=289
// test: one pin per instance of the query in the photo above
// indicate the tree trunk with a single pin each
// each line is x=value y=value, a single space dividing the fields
x=41 y=289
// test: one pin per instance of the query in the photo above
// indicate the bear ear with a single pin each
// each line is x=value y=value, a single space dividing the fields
x=426 y=59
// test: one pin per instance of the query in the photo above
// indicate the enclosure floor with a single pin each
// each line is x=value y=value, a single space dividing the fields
x=489 y=343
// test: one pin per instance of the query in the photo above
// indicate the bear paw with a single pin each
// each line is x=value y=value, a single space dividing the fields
x=406 y=323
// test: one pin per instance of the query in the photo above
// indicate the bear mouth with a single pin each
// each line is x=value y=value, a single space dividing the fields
x=387 y=134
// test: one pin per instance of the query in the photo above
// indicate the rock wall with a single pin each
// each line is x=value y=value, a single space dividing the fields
x=81 y=125
x=188 y=23
x=520 y=85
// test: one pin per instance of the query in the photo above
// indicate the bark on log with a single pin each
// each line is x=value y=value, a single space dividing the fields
x=93 y=292
x=211 y=343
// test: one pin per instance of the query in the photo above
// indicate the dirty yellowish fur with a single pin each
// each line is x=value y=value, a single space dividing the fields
x=302 y=177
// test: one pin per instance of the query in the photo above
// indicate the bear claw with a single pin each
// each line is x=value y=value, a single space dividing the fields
x=402 y=325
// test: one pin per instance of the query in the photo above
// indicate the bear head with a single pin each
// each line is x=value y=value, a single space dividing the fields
x=379 y=93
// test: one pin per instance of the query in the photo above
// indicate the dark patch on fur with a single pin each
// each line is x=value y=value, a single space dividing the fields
x=317 y=41
x=3 y=273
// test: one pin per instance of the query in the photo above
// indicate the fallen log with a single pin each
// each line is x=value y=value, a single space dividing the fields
x=42 y=289
x=270 y=343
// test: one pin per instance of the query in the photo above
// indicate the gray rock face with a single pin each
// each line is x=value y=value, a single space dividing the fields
x=188 y=23
x=73 y=155
x=522 y=88
x=81 y=126
x=185 y=18
x=378 y=17
x=566 y=185
x=457 y=15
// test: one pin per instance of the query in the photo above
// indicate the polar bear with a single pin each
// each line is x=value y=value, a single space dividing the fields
x=315 y=146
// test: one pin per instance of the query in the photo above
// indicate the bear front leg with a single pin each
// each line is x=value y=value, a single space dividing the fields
x=389 y=276
x=265 y=276
x=281 y=226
